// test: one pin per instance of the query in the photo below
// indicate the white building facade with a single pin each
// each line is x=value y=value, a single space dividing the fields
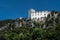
x=34 y=15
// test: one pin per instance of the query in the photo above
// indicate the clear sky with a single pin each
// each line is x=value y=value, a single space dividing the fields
x=11 y=9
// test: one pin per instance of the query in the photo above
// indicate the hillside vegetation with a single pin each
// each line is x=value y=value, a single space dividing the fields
x=26 y=29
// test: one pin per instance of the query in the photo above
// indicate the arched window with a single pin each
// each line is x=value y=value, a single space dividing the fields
x=44 y=14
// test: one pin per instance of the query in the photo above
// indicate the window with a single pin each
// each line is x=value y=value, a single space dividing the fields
x=35 y=14
x=41 y=17
x=44 y=14
x=40 y=14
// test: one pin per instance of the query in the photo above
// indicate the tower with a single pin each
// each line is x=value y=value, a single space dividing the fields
x=31 y=12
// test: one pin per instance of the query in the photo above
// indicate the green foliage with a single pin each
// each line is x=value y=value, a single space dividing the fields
x=3 y=22
x=52 y=32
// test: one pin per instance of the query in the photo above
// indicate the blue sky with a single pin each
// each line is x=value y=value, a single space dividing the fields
x=11 y=9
